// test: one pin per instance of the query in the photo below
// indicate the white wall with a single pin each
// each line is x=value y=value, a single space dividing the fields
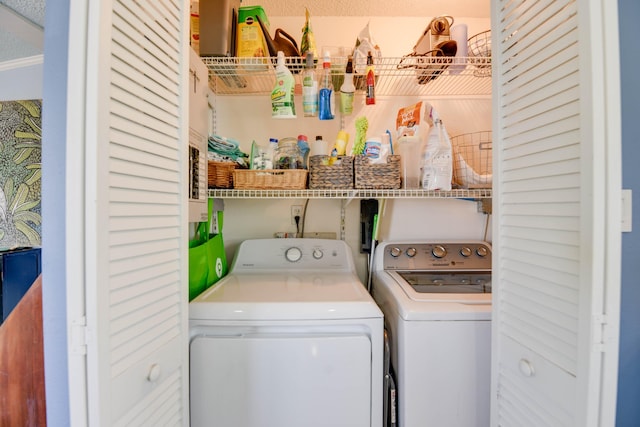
x=21 y=79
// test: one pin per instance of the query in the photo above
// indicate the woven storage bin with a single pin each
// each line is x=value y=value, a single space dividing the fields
x=472 y=160
x=270 y=179
x=377 y=175
x=220 y=174
x=324 y=176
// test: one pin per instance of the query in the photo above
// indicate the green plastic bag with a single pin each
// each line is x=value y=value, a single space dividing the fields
x=207 y=259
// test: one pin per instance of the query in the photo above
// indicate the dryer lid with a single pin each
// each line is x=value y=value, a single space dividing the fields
x=285 y=296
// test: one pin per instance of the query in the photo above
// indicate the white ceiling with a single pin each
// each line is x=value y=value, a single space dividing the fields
x=21 y=28
x=22 y=21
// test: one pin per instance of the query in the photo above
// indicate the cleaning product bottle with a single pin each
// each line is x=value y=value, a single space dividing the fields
x=309 y=88
x=326 y=102
x=370 y=76
x=271 y=150
x=319 y=147
x=341 y=142
x=340 y=147
x=282 y=105
x=303 y=145
x=347 y=90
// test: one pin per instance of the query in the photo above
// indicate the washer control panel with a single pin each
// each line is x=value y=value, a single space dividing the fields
x=437 y=256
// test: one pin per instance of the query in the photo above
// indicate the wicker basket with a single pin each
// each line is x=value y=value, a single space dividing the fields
x=220 y=174
x=472 y=160
x=324 y=176
x=377 y=175
x=270 y=179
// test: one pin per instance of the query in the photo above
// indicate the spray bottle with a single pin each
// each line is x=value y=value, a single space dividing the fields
x=326 y=102
x=347 y=90
x=309 y=88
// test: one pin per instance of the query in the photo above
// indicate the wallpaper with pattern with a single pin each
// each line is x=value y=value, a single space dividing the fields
x=20 y=173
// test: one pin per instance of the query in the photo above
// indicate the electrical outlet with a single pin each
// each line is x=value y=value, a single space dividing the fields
x=296 y=210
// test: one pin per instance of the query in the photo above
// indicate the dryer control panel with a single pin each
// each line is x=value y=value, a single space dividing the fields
x=293 y=254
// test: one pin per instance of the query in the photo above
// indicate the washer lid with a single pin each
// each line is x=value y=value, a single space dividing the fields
x=285 y=296
x=392 y=291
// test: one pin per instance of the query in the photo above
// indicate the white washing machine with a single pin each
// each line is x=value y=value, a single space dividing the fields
x=436 y=299
x=290 y=337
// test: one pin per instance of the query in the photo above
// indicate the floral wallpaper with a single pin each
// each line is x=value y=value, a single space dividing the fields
x=20 y=173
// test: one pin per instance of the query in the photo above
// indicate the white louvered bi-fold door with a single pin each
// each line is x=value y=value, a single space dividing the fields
x=550 y=197
x=136 y=253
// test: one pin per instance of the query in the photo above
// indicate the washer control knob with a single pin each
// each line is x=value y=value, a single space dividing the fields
x=411 y=252
x=395 y=252
x=293 y=254
x=482 y=251
x=439 y=251
x=317 y=253
x=465 y=251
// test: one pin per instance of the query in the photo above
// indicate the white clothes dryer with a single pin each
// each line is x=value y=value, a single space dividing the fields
x=436 y=299
x=290 y=337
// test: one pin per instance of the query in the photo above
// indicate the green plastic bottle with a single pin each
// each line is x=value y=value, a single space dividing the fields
x=282 y=101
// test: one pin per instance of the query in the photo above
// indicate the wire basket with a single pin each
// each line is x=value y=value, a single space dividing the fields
x=472 y=160
x=479 y=47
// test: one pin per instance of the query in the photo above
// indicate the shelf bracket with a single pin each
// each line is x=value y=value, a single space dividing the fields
x=343 y=209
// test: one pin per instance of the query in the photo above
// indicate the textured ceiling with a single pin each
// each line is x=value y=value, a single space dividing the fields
x=21 y=28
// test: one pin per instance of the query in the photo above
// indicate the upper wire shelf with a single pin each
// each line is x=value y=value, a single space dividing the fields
x=482 y=193
x=405 y=76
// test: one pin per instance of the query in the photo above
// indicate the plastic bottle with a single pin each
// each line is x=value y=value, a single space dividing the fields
x=347 y=90
x=271 y=150
x=282 y=105
x=326 y=101
x=303 y=146
x=319 y=147
x=309 y=88
x=371 y=80
x=340 y=146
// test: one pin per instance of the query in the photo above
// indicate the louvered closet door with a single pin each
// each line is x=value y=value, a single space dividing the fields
x=550 y=219
x=136 y=254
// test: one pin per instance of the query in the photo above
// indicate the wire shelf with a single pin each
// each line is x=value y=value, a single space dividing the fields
x=350 y=194
x=445 y=76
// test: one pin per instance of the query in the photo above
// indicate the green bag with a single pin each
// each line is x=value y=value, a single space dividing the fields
x=207 y=259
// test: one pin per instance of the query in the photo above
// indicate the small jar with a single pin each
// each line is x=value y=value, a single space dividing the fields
x=288 y=155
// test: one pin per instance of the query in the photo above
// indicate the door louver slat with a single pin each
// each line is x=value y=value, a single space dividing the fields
x=144 y=187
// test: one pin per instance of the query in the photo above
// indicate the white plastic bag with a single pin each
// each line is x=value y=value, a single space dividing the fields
x=437 y=165
x=364 y=45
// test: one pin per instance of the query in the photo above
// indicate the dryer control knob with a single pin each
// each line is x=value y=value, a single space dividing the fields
x=482 y=251
x=465 y=251
x=317 y=253
x=439 y=251
x=411 y=252
x=293 y=254
x=395 y=252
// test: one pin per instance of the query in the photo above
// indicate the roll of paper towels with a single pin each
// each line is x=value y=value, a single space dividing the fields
x=459 y=34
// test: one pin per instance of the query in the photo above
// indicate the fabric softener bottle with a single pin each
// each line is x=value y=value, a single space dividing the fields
x=326 y=101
